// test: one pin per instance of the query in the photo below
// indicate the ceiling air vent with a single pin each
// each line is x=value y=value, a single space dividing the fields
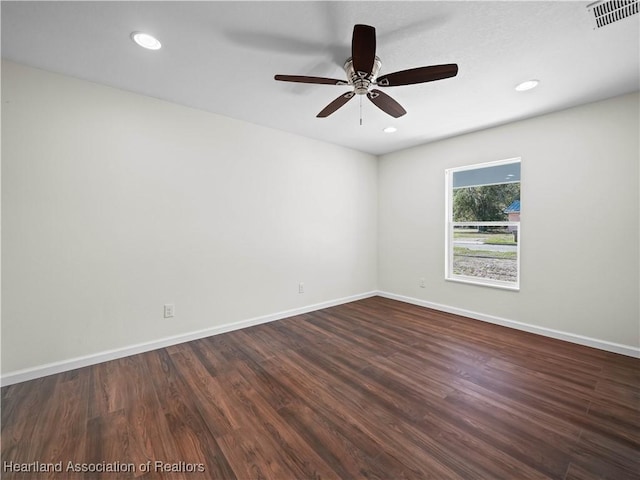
x=610 y=11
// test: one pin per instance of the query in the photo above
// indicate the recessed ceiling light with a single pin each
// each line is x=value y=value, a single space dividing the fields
x=528 y=85
x=390 y=130
x=146 y=41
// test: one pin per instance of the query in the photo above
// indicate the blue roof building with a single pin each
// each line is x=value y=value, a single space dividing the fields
x=513 y=208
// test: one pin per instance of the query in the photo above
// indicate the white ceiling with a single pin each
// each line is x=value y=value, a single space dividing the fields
x=221 y=57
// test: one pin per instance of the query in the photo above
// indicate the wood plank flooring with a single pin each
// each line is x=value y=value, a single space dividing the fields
x=374 y=389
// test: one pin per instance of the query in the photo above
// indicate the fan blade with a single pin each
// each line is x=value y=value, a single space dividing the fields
x=305 y=79
x=385 y=103
x=336 y=104
x=363 y=49
x=418 y=75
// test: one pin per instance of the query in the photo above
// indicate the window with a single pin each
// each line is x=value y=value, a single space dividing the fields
x=482 y=231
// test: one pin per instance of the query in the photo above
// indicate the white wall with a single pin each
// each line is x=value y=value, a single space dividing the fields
x=114 y=204
x=580 y=238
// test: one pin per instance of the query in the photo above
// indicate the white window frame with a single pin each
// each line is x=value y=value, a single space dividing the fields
x=450 y=224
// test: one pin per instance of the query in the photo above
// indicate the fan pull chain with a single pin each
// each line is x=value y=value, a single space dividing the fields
x=360 y=109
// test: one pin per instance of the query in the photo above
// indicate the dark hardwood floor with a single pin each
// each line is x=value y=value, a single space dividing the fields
x=375 y=389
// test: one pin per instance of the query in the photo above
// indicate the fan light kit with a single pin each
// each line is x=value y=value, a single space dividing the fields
x=362 y=72
x=528 y=85
x=146 y=41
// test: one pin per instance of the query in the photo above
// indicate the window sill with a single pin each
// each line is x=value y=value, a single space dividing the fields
x=485 y=283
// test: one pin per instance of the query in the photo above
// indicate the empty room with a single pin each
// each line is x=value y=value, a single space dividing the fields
x=320 y=240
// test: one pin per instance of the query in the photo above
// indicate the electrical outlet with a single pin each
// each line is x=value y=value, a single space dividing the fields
x=301 y=287
x=169 y=310
x=421 y=283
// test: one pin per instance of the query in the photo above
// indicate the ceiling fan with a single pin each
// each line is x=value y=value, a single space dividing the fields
x=362 y=72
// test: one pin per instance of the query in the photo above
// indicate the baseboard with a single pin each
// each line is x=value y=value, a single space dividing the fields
x=627 y=350
x=84 y=361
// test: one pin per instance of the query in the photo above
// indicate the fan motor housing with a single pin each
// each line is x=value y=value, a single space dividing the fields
x=361 y=81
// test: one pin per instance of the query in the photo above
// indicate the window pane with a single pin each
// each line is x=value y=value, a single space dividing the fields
x=486 y=252
x=488 y=203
